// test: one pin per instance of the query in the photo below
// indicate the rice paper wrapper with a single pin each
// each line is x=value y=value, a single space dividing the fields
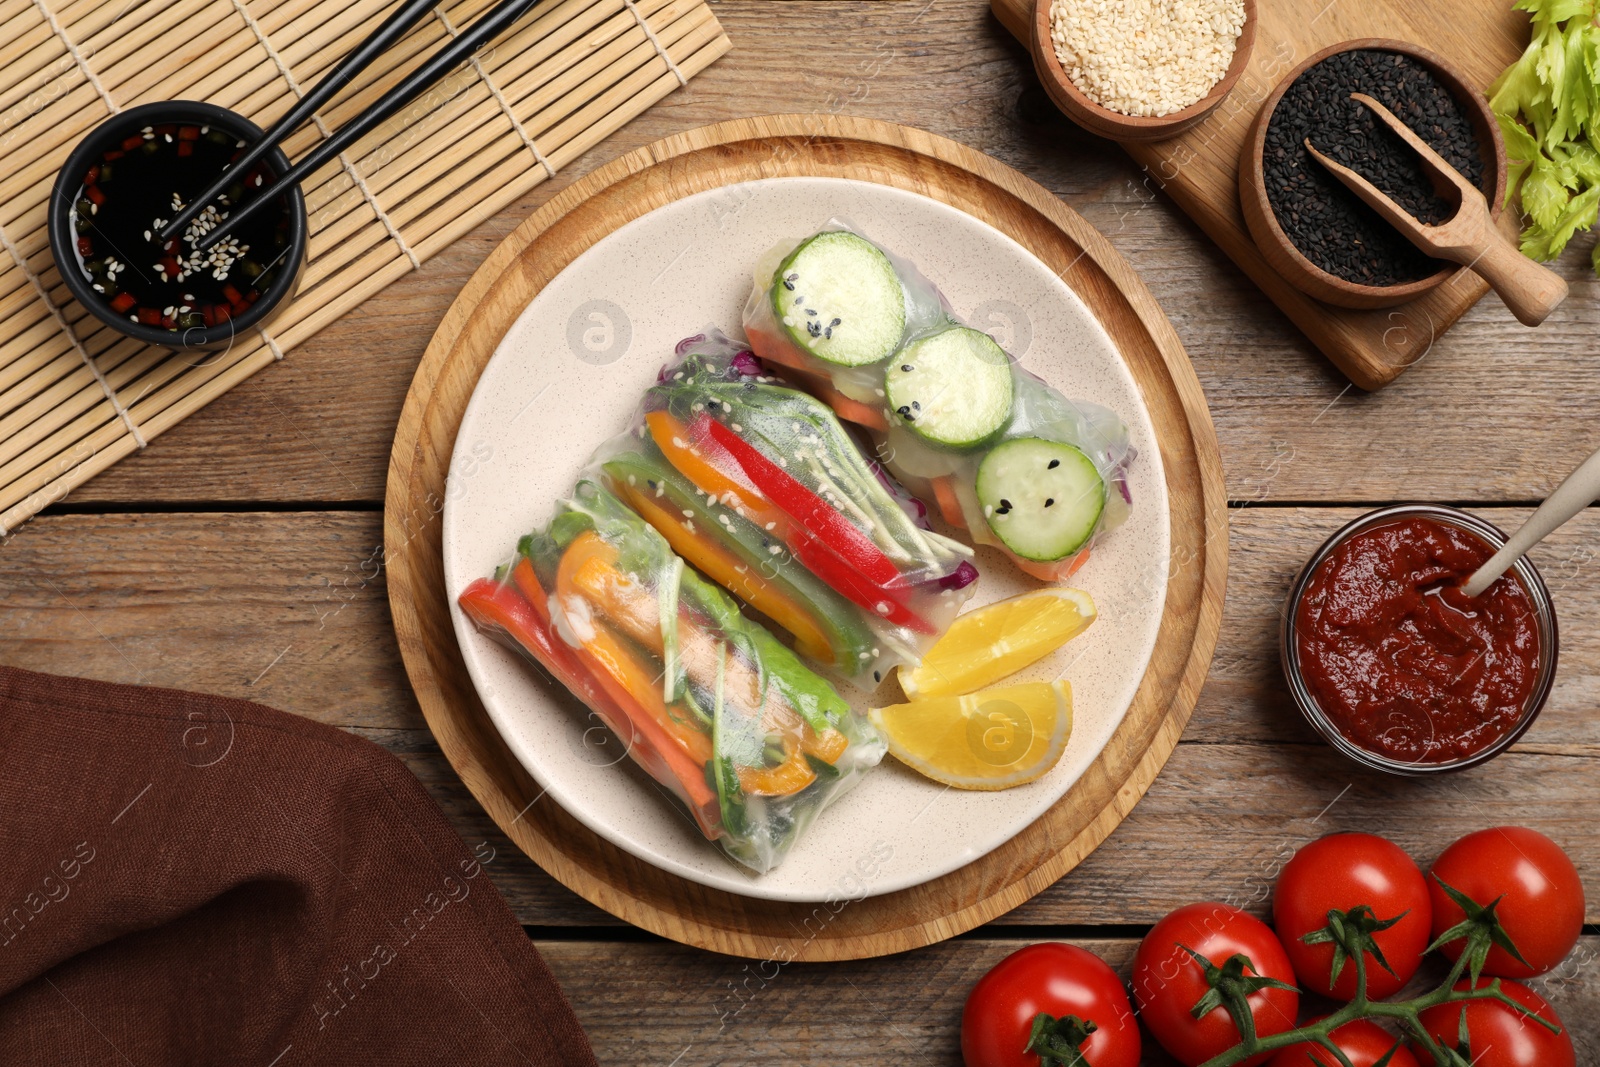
x=925 y=311
x=727 y=719
x=946 y=479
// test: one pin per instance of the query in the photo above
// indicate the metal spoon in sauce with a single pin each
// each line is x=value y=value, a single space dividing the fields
x=1580 y=490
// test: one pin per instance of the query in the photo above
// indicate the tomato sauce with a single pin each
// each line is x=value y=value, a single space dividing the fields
x=1400 y=659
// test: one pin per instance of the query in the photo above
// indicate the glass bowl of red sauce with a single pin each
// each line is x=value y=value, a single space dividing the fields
x=1394 y=665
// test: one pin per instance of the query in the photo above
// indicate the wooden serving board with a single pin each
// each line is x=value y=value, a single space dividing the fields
x=1199 y=168
x=709 y=158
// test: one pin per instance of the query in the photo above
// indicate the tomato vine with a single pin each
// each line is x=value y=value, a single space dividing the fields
x=1352 y=934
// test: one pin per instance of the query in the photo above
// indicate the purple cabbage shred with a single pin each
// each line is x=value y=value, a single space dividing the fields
x=745 y=363
x=962 y=577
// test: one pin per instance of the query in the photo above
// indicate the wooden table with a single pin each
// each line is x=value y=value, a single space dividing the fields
x=242 y=555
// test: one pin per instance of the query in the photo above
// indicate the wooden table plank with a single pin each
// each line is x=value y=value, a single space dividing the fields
x=283 y=608
x=661 y=1004
x=209 y=601
x=1478 y=423
x=290 y=608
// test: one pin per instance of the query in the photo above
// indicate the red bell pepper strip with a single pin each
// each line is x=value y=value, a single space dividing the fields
x=500 y=606
x=826 y=542
x=701 y=458
x=820 y=560
x=801 y=504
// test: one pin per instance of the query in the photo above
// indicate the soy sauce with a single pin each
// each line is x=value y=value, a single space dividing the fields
x=135 y=188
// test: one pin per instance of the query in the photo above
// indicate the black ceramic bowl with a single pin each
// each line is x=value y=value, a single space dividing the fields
x=106 y=136
x=1522 y=570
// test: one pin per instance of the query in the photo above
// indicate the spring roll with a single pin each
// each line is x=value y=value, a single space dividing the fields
x=999 y=451
x=751 y=741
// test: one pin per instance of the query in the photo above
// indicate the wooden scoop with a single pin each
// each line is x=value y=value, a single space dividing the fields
x=1468 y=237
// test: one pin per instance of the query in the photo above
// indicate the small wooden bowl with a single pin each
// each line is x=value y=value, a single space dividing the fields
x=1289 y=261
x=1101 y=120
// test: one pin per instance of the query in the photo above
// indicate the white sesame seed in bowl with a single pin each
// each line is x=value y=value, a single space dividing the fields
x=1137 y=70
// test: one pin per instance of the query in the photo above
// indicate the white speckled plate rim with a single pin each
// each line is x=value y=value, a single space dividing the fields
x=568 y=375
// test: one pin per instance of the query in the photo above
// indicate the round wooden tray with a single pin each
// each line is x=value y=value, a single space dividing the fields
x=708 y=158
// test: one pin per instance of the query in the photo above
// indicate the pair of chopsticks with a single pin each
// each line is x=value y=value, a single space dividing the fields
x=1468 y=237
x=442 y=62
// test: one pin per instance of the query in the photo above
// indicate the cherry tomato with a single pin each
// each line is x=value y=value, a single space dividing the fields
x=1542 y=909
x=1339 y=872
x=1168 y=982
x=1498 y=1035
x=1061 y=980
x=1364 y=1042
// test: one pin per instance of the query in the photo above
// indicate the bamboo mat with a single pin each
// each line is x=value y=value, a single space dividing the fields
x=76 y=397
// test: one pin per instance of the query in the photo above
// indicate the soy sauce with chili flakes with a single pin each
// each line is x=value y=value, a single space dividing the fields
x=1403 y=662
x=134 y=189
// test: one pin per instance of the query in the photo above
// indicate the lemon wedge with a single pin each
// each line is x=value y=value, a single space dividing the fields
x=986 y=645
x=995 y=739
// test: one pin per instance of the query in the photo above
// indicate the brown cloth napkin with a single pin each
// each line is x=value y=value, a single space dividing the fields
x=191 y=880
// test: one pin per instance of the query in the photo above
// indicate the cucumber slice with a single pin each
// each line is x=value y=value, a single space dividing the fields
x=1041 y=498
x=839 y=299
x=952 y=389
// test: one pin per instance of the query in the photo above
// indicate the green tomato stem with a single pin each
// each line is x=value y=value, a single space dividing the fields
x=1406 y=1012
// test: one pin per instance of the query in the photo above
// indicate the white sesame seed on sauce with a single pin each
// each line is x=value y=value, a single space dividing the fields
x=1145 y=57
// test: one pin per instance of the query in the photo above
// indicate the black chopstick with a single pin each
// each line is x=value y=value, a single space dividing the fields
x=393 y=28
x=436 y=67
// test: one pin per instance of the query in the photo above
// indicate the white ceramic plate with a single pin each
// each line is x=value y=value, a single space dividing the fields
x=568 y=375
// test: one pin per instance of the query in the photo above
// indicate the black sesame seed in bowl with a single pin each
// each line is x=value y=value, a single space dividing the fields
x=1313 y=230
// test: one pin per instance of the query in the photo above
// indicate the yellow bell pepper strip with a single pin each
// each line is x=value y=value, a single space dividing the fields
x=504 y=608
x=588 y=570
x=795 y=772
x=724 y=568
x=790 y=776
x=827 y=746
x=831 y=629
x=586 y=562
x=672 y=438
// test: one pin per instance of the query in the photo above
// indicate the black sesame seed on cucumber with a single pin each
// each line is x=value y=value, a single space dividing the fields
x=952 y=389
x=1043 y=499
x=839 y=299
